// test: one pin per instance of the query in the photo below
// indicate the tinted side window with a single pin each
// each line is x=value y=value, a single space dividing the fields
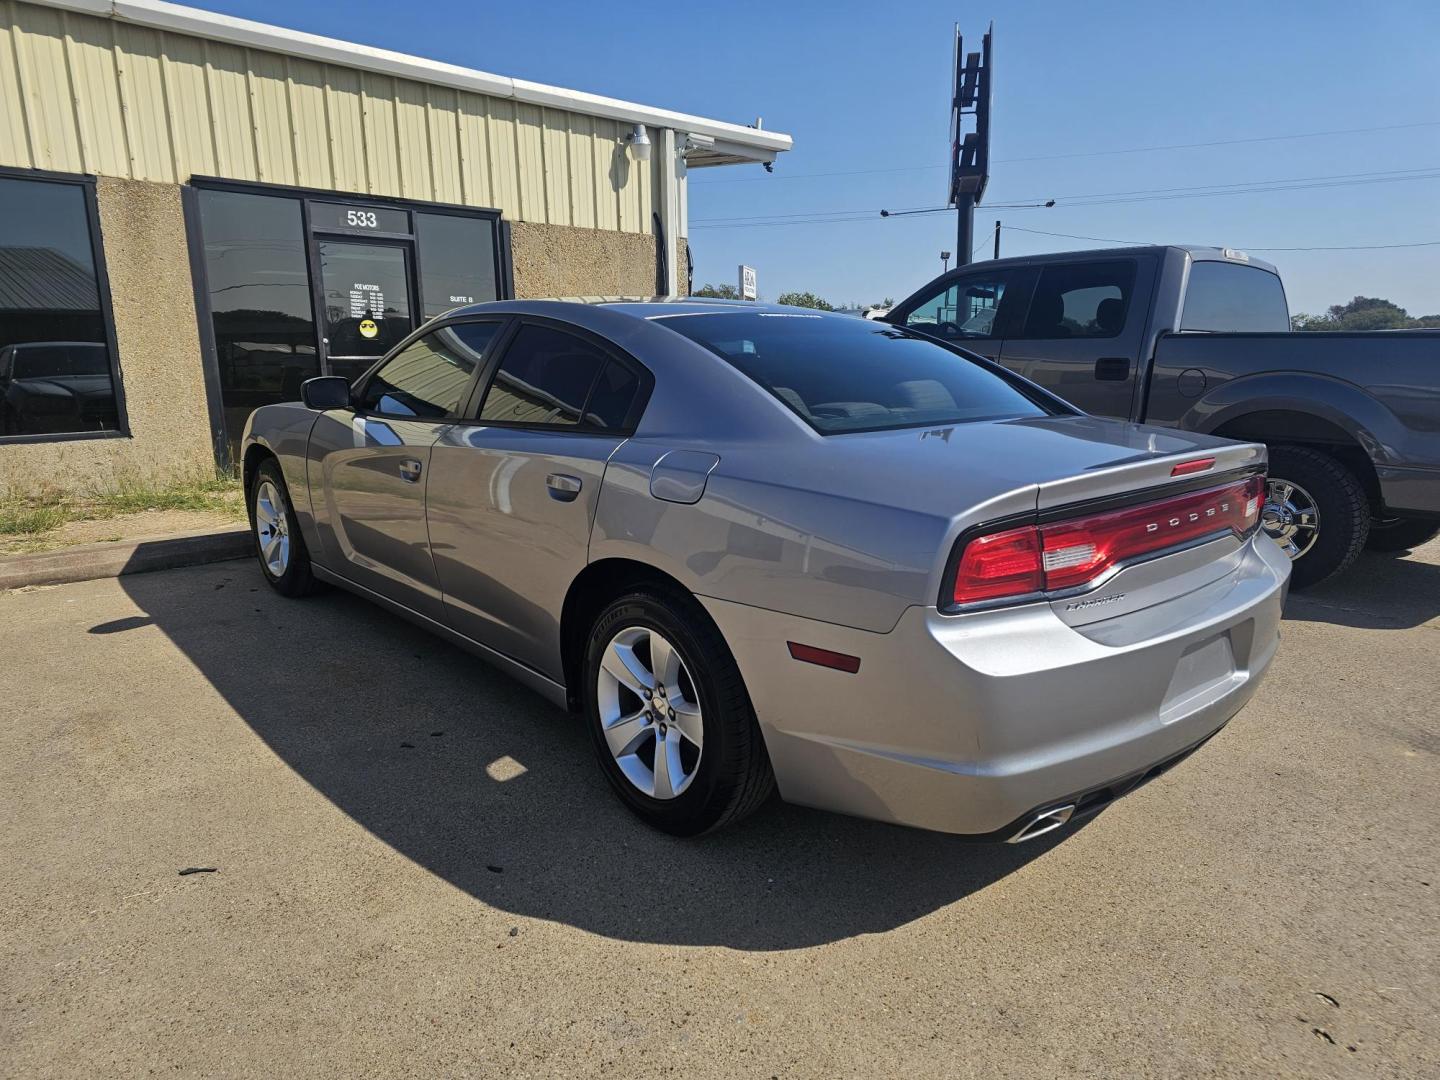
x=429 y=377
x=964 y=309
x=1221 y=297
x=612 y=397
x=544 y=378
x=55 y=371
x=1081 y=300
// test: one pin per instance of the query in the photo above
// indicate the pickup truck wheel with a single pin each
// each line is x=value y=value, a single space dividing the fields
x=1401 y=534
x=1316 y=510
x=672 y=724
x=279 y=545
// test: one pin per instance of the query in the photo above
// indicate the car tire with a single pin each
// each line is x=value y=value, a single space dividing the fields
x=717 y=781
x=1401 y=534
x=1321 y=487
x=279 y=545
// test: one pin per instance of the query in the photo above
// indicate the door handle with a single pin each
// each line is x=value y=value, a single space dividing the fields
x=563 y=486
x=410 y=471
x=1112 y=368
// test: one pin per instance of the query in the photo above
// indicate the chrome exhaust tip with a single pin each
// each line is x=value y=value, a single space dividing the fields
x=1043 y=822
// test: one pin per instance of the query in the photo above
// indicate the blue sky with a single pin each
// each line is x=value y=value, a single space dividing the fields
x=864 y=88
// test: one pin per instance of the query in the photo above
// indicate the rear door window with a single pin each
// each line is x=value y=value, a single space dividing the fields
x=1081 y=300
x=1228 y=298
x=551 y=378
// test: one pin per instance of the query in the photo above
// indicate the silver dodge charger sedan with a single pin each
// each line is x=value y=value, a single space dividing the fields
x=761 y=547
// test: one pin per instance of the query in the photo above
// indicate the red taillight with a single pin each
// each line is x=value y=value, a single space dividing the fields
x=1001 y=564
x=1071 y=554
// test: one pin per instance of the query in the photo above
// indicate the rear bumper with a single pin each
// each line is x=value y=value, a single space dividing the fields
x=970 y=723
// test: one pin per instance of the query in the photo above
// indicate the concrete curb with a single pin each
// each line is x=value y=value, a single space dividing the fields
x=89 y=561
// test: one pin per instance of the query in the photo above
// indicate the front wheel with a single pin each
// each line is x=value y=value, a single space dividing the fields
x=1401 y=534
x=668 y=713
x=279 y=545
x=1316 y=510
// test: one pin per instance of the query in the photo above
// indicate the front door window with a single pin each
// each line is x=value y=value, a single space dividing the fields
x=366 y=289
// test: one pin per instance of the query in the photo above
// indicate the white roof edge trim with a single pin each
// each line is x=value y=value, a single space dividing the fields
x=157 y=15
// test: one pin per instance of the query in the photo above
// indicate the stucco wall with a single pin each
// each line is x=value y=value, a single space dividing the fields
x=152 y=295
x=559 y=260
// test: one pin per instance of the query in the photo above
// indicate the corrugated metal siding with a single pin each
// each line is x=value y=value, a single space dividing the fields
x=80 y=93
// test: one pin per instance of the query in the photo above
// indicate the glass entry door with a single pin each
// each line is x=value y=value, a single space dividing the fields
x=366 y=301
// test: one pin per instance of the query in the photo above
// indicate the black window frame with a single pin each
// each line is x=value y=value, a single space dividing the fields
x=644 y=387
x=1033 y=290
x=86 y=183
x=361 y=385
x=195 y=237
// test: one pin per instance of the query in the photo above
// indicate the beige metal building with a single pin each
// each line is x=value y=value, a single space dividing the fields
x=199 y=212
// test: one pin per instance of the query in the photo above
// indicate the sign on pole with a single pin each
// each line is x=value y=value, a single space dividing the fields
x=747 y=283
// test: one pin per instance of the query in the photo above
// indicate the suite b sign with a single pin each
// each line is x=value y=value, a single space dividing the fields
x=747 y=283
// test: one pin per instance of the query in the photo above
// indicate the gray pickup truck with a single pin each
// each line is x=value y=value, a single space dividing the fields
x=1199 y=339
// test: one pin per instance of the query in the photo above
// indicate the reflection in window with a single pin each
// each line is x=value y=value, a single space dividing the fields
x=457 y=261
x=429 y=378
x=260 y=296
x=544 y=379
x=1081 y=300
x=55 y=371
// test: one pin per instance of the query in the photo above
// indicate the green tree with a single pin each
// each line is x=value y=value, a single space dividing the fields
x=718 y=292
x=1361 y=313
x=804 y=299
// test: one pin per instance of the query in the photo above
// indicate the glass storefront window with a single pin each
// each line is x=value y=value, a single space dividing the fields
x=259 y=286
x=56 y=371
x=457 y=261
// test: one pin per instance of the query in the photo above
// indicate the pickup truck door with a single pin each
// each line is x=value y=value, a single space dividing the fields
x=968 y=308
x=1081 y=335
x=369 y=467
x=513 y=491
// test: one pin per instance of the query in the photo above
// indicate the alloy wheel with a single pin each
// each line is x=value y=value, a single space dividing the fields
x=272 y=528
x=1291 y=517
x=650 y=712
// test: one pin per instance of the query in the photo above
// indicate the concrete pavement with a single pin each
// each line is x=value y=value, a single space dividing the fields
x=419 y=871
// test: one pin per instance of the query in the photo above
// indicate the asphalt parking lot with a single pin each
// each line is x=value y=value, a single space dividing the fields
x=419 y=871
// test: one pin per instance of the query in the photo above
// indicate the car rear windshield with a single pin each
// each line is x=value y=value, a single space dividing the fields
x=848 y=374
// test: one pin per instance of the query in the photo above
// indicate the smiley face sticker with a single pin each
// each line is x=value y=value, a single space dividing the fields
x=368 y=328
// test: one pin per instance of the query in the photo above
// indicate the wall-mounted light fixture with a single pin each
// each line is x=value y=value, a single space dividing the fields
x=639 y=143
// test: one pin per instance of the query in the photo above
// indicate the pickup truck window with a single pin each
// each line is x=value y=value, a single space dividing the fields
x=1229 y=298
x=964 y=309
x=1081 y=300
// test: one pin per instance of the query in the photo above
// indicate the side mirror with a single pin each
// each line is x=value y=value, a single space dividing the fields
x=325 y=392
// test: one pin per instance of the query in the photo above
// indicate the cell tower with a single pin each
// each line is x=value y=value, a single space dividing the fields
x=969 y=138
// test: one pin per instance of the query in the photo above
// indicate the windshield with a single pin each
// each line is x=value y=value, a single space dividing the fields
x=843 y=374
x=49 y=361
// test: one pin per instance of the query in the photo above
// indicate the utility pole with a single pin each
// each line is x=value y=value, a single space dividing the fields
x=970 y=150
x=997 y=239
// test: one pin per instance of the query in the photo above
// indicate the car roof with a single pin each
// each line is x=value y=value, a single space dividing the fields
x=655 y=308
